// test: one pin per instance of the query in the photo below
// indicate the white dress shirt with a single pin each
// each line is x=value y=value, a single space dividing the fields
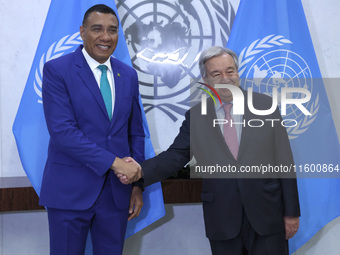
x=97 y=73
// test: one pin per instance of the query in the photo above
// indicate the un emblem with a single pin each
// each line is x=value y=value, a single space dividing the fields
x=266 y=66
x=165 y=39
x=65 y=45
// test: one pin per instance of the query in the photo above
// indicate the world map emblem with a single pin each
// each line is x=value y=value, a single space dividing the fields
x=266 y=65
x=165 y=39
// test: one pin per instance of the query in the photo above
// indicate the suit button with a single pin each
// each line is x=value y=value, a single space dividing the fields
x=109 y=137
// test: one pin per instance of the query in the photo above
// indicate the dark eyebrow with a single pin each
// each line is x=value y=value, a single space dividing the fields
x=97 y=25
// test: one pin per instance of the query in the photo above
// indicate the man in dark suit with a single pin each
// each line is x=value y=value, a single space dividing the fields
x=243 y=214
x=91 y=106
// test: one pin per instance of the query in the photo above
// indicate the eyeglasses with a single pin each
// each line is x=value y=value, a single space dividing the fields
x=99 y=30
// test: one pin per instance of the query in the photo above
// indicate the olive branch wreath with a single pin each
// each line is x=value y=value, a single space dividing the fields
x=225 y=15
x=56 y=50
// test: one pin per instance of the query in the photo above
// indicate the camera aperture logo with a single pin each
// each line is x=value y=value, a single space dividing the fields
x=204 y=97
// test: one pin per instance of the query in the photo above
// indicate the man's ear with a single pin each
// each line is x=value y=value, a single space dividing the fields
x=81 y=31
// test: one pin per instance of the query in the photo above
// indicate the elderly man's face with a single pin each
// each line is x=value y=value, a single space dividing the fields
x=222 y=70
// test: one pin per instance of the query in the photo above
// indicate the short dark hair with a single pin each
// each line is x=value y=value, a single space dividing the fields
x=102 y=8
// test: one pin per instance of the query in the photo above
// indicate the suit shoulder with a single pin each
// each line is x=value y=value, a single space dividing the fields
x=196 y=107
x=120 y=64
x=261 y=101
x=260 y=96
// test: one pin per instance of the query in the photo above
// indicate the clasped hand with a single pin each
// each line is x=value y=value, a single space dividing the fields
x=127 y=170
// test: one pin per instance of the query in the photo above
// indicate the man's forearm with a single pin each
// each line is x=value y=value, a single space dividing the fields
x=164 y=165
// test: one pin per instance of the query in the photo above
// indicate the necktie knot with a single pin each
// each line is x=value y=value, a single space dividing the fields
x=102 y=68
x=227 y=108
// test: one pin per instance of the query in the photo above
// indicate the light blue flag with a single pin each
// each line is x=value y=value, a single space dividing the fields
x=273 y=42
x=60 y=36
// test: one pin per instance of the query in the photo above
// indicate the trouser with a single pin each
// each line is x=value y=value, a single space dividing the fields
x=248 y=242
x=107 y=224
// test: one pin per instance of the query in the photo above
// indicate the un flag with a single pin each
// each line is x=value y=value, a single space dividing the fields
x=274 y=46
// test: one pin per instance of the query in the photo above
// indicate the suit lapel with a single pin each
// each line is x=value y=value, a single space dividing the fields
x=217 y=132
x=119 y=86
x=85 y=73
x=245 y=129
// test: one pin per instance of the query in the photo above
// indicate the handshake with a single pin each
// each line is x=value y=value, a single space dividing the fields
x=127 y=170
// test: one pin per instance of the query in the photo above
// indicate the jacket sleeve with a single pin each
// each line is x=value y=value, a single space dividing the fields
x=284 y=156
x=136 y=128
x=172 y=160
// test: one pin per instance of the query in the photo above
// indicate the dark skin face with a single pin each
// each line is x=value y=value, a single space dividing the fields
x=222 y=70
x=99 y=37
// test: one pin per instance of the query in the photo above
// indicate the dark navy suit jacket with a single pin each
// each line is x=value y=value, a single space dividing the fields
x=83 y=140
x=264 y=200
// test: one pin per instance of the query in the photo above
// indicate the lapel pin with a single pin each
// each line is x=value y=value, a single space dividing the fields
x=118 y=74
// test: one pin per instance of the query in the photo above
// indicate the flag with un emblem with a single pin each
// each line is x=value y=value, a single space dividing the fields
x=276 y=55
x=61 y=36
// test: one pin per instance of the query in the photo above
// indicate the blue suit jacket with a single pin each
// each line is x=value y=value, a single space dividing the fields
x=84 y=142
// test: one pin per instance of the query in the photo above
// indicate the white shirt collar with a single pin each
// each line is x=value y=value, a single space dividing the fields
x=220 y=107
x=93 y=63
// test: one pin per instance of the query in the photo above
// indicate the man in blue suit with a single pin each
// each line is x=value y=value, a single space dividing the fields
x=92 y=131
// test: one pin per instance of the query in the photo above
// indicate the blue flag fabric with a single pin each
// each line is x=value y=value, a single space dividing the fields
x=60 y=36
x=272 y=40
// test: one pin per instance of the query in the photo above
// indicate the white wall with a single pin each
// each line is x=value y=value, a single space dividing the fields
x=21 y=25
x=323 y=21
x=182 y=229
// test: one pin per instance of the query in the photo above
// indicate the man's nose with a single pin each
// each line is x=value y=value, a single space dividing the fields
x=226 y=79
x=105 y=35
